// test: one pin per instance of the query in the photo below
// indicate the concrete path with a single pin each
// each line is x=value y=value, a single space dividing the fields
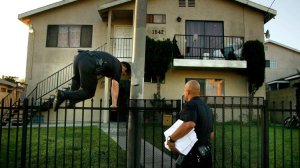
x=150 y=155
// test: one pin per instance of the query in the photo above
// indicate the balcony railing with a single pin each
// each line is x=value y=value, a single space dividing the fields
x=208 y=47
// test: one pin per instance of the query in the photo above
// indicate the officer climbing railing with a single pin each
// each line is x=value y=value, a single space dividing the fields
x=56 y=80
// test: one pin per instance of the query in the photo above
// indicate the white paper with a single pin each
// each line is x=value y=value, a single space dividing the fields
x=184 y=144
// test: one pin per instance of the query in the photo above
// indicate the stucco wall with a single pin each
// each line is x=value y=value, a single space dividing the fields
x=287 y=61
x=238 y=20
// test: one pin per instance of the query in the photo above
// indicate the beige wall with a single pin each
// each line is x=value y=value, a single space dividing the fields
x=238 y=21
x=287 y=61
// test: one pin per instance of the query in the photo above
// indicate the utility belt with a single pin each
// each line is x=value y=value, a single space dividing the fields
x=202 y=150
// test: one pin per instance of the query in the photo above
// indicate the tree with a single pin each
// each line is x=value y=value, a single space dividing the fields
x=12 y=79
x=157 y=61
x=253 y=52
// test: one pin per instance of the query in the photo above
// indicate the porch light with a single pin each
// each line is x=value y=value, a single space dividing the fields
x=31 y=30
x=178 y=19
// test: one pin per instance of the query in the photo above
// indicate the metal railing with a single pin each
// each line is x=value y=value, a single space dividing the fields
x=51 y=83
x=245 y=135
x=208 y=47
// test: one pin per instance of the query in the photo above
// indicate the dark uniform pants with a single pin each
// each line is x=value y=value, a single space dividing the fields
x=85 y=80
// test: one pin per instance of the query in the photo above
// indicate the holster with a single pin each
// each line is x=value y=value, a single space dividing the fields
x=203 y=150
x=180 y=159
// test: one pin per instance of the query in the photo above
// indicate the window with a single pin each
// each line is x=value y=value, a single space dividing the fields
x=182 y=3
x=210 y=87
x=69 y=36
x=273 y=64
x=204 y=37
x=267 y=63
x=3 y=90
x=156 y=18
x=191 y=3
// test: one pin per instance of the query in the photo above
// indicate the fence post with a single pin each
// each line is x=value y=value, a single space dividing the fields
x=297 y=85
x=24 y=133
x=265 y=136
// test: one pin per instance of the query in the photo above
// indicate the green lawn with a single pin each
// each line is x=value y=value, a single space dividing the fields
x=238 y=145
x=235 y=145
x=63 y=147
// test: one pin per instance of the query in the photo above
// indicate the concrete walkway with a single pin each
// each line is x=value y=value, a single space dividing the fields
x=150 y=155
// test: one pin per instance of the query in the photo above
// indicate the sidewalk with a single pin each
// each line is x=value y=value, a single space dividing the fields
x=151 y=157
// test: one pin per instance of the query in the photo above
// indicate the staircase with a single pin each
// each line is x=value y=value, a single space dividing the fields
x=11 y=112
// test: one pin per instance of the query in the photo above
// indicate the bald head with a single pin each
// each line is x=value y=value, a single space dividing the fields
x=191 y=89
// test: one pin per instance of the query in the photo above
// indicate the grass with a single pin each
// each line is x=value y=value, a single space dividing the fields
x=62 y=147
x=239 y=145
x=235 y=145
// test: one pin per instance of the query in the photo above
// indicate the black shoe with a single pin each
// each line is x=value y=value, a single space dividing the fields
x=60 y=98
x=70 y=104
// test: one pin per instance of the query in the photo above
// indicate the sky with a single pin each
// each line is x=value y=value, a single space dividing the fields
x=284 y=29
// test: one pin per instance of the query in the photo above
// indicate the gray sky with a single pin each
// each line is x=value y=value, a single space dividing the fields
x=283 y=29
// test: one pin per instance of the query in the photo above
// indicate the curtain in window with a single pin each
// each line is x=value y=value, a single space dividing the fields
x=74 y=32
x=63 y=36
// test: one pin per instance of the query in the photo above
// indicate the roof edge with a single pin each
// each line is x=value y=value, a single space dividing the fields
x=44 y=8
x=112 y=4
x=270 y=13
x=282 y=45
x=3 y=81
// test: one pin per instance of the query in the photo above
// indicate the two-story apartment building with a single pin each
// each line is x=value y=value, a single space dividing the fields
x=208 y=34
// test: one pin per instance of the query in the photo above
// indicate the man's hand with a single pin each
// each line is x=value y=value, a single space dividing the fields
x=172 y=146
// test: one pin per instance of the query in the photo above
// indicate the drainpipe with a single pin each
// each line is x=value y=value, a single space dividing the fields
x=137 y=84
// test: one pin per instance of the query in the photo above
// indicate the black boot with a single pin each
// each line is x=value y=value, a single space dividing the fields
x=60 y=98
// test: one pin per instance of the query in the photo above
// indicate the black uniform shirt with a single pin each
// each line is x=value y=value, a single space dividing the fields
x=197 y=111
x=107 y=65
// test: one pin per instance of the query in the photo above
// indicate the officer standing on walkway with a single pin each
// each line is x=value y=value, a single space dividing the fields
x=195 y=114
x=89 y=66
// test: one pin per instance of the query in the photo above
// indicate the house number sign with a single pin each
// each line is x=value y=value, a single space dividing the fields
x=156 y=32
